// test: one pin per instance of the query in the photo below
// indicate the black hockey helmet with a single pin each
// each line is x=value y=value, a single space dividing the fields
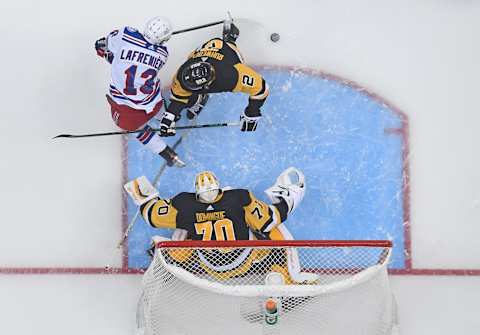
x=198 y=75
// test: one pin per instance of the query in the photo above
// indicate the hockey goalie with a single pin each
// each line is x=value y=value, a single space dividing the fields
x=232 y=267
x=213 y=213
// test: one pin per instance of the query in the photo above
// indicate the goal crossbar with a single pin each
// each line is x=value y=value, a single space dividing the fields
x=268 y=243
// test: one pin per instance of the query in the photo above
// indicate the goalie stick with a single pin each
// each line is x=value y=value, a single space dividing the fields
x=155 y=182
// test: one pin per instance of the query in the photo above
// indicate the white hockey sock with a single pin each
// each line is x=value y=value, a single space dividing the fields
x=151 y=140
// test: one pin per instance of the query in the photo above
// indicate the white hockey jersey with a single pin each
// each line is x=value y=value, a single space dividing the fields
x=135 y=66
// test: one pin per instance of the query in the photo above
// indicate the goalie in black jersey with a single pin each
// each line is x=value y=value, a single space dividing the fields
x=216 y=66
x=212 y=213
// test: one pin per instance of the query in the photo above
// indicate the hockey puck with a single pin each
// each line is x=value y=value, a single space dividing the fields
x=275 y=37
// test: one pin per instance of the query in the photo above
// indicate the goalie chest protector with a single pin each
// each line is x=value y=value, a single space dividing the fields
x=221 y=220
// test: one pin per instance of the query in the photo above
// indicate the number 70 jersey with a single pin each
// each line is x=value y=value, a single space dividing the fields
x=135 y=66
x=232 y=216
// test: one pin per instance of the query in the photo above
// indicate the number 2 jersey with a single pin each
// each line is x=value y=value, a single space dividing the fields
x=231 y=75
x=134 y=73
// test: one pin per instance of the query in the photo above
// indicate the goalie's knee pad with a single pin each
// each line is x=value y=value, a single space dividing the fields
x=289 y=186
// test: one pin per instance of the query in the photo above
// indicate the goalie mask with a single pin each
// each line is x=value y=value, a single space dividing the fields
x=198 y=76
x=207 y=187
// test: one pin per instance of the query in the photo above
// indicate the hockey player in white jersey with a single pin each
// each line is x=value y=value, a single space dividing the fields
x=134 y=94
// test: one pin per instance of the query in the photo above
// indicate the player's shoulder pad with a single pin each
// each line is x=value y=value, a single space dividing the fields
x=162 y=47
x=113 y=33
x=183 y=199
x=241 y=195
x=130 y=30
x=133 y=33
x=232 y=45
x=210 y=41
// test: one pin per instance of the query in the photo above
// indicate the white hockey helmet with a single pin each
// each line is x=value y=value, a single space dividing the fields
x=207 y=187
x=158 y=30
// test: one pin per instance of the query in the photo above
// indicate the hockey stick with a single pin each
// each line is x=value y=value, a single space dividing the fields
x=155 y=182
x=228 y=20
x=211 y=125
x=197 y=27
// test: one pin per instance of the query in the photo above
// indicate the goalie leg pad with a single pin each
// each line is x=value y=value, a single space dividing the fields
x=294 y=268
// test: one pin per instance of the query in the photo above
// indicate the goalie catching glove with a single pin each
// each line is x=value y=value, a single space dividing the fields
x=289 y=186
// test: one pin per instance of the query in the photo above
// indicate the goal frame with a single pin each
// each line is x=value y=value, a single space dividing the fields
x=282 y=243
x=250 y=294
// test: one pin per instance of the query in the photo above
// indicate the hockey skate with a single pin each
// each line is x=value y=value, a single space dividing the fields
x=171 y=157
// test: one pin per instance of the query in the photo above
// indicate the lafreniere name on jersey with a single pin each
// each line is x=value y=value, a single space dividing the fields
x=141 y=57
x=208 y=53
x=210 y=216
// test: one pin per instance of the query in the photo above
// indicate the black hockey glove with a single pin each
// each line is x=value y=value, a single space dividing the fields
x=249 y=123
x=167 y=124
x=102 y=51
x=230 y=33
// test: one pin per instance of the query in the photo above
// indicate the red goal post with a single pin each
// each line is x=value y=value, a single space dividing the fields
x=311 y=286
x=268 y=243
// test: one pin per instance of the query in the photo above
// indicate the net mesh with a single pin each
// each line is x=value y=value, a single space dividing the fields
x=214 y=290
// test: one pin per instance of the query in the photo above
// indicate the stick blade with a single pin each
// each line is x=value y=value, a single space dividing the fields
x=62 y=136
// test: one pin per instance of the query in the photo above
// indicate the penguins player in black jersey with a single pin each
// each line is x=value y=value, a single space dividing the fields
x=216 y=66
x=213 y=213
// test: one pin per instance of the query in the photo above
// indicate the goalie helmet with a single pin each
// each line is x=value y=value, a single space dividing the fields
x=197 y=76
x=207 y=187
x=158 y=30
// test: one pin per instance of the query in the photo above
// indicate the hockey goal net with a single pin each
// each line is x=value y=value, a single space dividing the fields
x=268 y=287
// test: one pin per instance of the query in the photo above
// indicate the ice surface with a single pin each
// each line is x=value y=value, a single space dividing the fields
x=338 y=135
x=61 y=201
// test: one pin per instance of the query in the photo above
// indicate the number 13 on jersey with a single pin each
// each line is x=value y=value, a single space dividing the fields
x=147 y=76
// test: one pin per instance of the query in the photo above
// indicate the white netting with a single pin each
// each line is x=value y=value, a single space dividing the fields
x=219 y=290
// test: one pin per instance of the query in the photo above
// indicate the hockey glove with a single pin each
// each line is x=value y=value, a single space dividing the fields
x=230 y=33
x=102 y=51
x=193 y=111
x=249 y=123
x=167 y=124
